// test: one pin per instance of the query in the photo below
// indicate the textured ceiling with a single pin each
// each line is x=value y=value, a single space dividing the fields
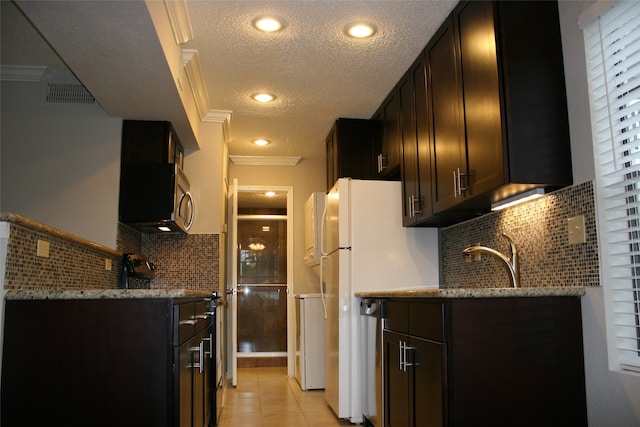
x=317 y=73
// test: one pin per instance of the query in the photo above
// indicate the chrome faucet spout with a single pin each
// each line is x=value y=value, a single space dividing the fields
x=510 y=263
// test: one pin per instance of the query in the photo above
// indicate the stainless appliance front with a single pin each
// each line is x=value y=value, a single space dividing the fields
x=371 y=316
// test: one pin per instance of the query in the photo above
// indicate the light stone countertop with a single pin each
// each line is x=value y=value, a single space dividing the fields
x=558 y=291
x=45 y=294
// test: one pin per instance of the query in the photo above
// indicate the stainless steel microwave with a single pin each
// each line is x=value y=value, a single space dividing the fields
x=155 y=197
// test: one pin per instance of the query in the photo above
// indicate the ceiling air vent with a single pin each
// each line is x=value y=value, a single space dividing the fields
x=68 y=93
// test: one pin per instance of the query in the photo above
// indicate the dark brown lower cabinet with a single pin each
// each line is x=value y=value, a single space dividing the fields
x=415 y=373
x=109 y=362
x=484 y=362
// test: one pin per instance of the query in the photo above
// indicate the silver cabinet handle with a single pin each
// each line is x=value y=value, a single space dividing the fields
x=455 y=184
x=187 y=322
x=381 y=165
x=200 y=350
x=210 y=339
x=458 y=189
x=461 y=189
x=403 y=356
x=416 y=211
x=407 y=348
x=413 y=200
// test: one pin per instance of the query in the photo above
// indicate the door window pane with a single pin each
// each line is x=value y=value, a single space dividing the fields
x=262 y=251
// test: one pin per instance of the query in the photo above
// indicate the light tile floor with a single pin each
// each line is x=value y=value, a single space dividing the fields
x=267 y=397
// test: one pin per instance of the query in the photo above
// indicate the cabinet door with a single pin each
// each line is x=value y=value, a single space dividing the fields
x=350 y=150
x=409 y=165
x=424 y=209
x=146 y=141
x=416 y=159
x=389 y=164
x=396 y=382
x=482 y=112
x=184 y=384
x=332 y=158
x=426 y=368
x=447 y=143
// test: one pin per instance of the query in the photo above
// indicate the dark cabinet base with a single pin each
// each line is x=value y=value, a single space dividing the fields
x=485 y=362
x=517 y=362
x=93 y=363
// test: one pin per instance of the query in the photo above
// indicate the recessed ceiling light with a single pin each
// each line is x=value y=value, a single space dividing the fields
x=268 y=24
x=360 y=30
x=270 y=193
x=262 y=142
x=263 y=97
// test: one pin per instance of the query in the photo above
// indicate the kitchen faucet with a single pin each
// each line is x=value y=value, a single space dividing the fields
x=512 y=264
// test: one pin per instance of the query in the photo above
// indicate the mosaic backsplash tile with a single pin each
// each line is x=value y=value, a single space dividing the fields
x=540 y=232
x=538 y=228
x=129 y=240
x=69 y=265
x=183 y=261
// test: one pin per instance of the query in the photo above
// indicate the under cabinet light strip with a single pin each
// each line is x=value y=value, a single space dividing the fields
x=517 y=199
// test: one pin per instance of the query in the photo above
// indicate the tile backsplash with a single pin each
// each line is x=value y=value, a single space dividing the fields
x=71 y=264
x=192 y=261
x=539 y=230
x=183 y=261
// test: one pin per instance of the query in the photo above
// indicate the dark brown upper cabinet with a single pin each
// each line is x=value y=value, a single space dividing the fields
x=416 y=158
x=496 y=106
x=148 y=141
x=351 y=150
x=389 y=144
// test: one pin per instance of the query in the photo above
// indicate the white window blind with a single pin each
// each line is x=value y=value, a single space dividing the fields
x=612 y=45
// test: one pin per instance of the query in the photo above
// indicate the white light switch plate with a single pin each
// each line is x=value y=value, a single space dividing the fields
x=576 y=230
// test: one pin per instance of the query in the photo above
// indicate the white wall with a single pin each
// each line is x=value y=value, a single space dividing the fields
x=204 y=168
x=613 y=399
x=60 y=164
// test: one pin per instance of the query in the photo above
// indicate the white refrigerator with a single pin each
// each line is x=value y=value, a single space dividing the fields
x=366 y=249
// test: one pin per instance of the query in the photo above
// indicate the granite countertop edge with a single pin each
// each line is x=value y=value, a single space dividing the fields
x=48 y=294
x=556 y=291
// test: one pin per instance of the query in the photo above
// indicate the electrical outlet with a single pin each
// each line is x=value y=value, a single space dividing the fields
x=43 y=249
x=576 y=230
x=107 y=264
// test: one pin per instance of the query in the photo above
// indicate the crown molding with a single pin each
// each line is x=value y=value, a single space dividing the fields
x=223 y=117
x=218 y=116
x=179 y=19
x=22 y=73
x=193 y=70
x=264 y=160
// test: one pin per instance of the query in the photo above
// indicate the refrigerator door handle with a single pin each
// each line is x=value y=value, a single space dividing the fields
x=322 y=295
x=323 y=237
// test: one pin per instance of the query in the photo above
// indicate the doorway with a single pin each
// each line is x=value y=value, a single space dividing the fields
x=260 y=278
x=262 y=286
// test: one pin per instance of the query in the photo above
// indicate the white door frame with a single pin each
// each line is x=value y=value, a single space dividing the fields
x=231 y=296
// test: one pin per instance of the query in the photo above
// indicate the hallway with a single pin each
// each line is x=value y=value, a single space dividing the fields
x=266 y=397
